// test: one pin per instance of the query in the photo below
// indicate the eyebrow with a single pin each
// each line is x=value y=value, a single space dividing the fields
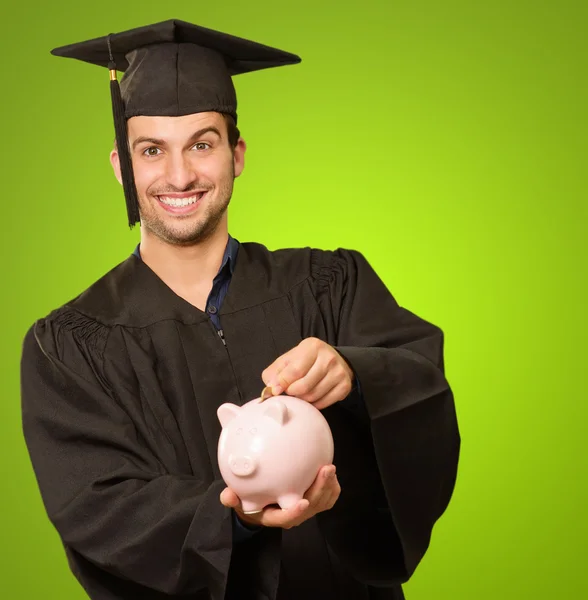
x=193 y=137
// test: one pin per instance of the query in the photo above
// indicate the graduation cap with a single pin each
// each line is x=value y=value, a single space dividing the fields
x=172 y=68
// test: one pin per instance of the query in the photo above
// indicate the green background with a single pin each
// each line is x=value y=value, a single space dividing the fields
x=447 y=142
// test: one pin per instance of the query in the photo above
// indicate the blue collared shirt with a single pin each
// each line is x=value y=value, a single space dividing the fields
x=220 y=286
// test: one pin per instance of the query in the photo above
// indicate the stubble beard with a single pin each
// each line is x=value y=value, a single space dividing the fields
x=192 y=232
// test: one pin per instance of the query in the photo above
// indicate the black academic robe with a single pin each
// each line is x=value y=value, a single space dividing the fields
x=119 y=395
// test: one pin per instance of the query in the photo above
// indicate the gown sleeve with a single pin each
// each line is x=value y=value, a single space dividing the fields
x=106 y=493
x=398 y=470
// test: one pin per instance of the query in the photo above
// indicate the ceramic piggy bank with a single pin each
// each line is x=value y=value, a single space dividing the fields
x=270 y=452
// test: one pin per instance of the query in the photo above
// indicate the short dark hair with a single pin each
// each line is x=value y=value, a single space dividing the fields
x=232 y=130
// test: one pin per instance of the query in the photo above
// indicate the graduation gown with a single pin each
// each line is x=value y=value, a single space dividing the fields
x=120 y=388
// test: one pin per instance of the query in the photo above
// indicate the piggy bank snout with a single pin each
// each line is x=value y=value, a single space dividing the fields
x=242 y=465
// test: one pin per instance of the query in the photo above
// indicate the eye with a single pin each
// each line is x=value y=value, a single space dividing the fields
x=202 y=145
x=151 y=151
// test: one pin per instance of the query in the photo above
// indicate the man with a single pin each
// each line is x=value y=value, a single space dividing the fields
x=120 y=386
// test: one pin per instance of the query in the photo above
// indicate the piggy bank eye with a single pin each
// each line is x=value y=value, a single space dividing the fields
x=239 y=431
x=253 y=431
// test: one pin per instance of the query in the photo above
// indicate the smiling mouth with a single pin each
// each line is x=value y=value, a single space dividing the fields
x=181 y=202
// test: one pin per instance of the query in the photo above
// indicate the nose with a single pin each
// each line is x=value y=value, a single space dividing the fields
x=242 y=465
x=180 y=172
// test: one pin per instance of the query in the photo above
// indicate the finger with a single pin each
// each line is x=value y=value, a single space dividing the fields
x=331 y=367
x=325 y=498
x=322 y=390
x=336 y=394
x=322 y=481
x=270 y=372
x=323 y=503
x=329 y=500
x=285 y=518
x=229 y=498
x=314 y=385
x=297 y=367
x=292 y=365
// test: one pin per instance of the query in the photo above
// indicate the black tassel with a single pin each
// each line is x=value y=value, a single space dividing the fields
x=122 y=142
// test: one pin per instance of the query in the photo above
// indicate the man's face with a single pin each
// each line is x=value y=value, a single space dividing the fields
x=184 y=171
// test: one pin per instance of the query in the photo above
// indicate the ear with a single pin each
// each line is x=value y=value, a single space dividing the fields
x=277 y=411
x=115 y=162
x=239 y=157
x=227 y=412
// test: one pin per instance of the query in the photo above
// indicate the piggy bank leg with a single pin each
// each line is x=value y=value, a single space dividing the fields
x=251 y=507
x=287 y=501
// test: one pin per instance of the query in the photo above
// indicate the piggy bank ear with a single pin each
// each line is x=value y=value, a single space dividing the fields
x=227 y=412
x=277 y=411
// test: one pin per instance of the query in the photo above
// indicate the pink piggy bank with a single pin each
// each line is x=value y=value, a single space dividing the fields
x=270 y=452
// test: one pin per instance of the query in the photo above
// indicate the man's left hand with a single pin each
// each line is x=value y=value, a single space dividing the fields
x=312 y=371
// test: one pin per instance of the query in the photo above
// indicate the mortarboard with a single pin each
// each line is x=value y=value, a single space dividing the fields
x=172 y=68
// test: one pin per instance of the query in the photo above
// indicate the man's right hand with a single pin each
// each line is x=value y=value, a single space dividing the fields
x=321 y=496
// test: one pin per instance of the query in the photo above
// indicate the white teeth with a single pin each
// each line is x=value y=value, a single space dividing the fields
x=180 y=201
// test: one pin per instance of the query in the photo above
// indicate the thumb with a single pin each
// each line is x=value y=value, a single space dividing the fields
x=229 y=498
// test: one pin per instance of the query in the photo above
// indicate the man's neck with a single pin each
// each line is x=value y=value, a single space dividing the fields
x=188 y=270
